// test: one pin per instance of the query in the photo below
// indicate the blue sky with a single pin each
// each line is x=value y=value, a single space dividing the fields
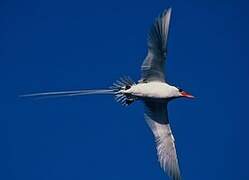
x=63 y=45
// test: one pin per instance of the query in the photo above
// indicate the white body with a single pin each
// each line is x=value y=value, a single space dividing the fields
x=154 y=89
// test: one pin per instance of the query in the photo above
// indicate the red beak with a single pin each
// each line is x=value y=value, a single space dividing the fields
x=185 y=94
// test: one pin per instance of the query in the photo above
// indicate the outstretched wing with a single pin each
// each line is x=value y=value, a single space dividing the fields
x=157 y=119
x=153 y=65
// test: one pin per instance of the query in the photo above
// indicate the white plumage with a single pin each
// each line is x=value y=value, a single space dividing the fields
x=152 y=90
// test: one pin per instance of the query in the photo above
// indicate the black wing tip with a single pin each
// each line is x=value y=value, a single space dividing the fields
x=166 y=12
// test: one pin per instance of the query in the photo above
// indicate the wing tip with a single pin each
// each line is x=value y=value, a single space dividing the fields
x=167 y=12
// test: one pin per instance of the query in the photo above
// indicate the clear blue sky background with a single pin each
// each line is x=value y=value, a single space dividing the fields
x=63 y=45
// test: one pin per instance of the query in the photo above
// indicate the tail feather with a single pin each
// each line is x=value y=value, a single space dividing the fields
x=68 y=93
x=123 y=83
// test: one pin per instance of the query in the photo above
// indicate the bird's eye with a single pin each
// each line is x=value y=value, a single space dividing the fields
x=180 y=90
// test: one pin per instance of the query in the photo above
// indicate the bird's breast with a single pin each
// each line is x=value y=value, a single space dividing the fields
x=158 y=90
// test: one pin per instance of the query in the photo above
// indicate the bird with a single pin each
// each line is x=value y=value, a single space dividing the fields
x=152 y=89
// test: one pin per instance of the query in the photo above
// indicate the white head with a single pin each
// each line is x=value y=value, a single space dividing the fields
x=178 y=92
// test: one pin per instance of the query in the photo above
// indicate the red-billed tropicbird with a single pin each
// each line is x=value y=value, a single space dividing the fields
x=152 y=90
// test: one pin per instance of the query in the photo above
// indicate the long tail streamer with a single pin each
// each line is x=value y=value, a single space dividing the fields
x=121 y=84
x=69 y=93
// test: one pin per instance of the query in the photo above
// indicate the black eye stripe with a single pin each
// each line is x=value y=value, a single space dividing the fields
x=180 y=90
